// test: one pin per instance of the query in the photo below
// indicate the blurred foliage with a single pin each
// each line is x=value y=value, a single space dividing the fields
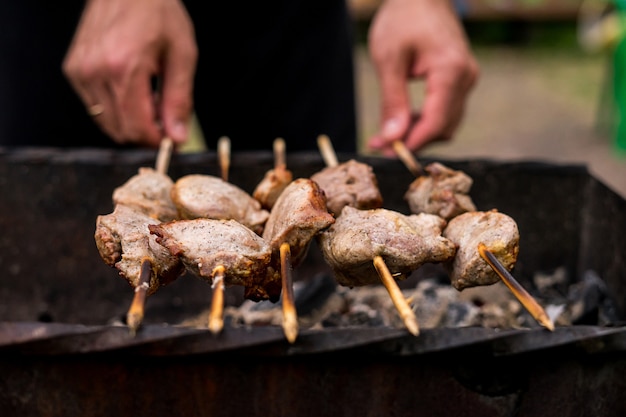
x=553 y=34
x=548 y=34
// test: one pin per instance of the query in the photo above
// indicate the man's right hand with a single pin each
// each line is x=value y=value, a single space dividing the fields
x=119 y=48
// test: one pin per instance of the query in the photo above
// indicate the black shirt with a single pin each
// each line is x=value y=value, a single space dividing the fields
x=266 y=70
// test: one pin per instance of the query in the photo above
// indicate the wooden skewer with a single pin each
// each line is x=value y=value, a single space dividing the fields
x=290 y=316
x=279 y=153
x=216 y=315
x=164 y=155
x=327 y=151
x=401 y=304
x=407 y=157
x=518 y=291
x=135 y=314
x=223 y=150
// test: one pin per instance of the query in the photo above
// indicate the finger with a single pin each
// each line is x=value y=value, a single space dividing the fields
x=440 y=114
x=387 y=148
x=137 y=113
x=97 y=96
x=177 y=91
x=93 y=92
x=393 y=75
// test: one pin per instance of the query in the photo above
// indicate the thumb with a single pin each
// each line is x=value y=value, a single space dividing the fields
x=177 y=96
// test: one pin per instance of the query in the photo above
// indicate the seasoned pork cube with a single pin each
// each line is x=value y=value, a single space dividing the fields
x=404 y=242
x=272 y=185
x=205 y=196
x=299 y=214
x=204 y=244
x=496 y=230
x=124 y=241
x=445 y=192
x=352 y=184
x=148 y=191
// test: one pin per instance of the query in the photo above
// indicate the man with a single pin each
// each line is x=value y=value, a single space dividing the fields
x=255 y=71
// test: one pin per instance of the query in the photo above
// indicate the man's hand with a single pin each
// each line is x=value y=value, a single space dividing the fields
x=420 y=39
x=119 y=49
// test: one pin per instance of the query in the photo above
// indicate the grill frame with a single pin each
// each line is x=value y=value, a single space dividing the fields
x=567 y=218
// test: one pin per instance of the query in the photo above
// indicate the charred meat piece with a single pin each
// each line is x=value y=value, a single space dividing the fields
x=351 y=183
x=497 y=231
x=205 y=196
x=299 y=214
x=204 y=244
x=445 y=192
x=272 y=185
x=404 y=242
x=124 y=241
x=148 y=191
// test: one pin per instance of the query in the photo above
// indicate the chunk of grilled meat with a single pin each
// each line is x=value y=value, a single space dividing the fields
x=124 y=241
x=404 y=242
x=496 y=230
x=351 y=183
x=445 y=192
x=299 y=214
x=206 y=196
x=148 y=191
x=272 y=185
x=203 y=244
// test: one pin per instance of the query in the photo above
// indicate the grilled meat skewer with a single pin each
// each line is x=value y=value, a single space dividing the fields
x=124 y=242
x=369 y=246
x=298 y=216
x=487 y=250
x=123 y=239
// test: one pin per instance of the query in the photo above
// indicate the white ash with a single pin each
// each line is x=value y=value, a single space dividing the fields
x=321 y=303
x=435 y=304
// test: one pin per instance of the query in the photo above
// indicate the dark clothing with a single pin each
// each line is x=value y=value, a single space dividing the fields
x=266 y=70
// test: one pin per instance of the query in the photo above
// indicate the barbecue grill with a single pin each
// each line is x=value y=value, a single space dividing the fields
x=63 y=353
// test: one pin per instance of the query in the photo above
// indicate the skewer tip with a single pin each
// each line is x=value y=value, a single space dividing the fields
x=279 y=152
x=407 y=157
x=290 y=315
x=223 y=150
x=326 y=149
x=134 y=316
x=527 y=300
x=164 y=155
x=402 y=306
x=290 y=327
x=216 y=315
x=216 y=325
x=411 y=325
x=134 y=321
